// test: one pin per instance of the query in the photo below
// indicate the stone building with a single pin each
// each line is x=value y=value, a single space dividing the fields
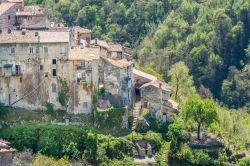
x=34 y=63
x=29 y=63
x=154 y=95
x=7 y=15
x=32 y=18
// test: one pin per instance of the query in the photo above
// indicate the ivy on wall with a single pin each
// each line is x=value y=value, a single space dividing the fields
x=63 y=93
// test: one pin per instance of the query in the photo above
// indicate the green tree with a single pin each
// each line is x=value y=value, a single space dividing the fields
x=181 y=82
x=202 y=112
x=3 y=111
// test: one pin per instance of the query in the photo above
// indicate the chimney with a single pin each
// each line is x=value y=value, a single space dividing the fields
x=36 y=34
x=9 y=31
x=160 y=84
x=23 y=31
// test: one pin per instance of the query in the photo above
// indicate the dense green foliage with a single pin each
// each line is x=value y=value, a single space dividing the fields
x=124 y=21
x=41 y=160
x=182 y=83
x=80 y=143
x=3 y=111
x=110 y=119
x=210 y=37
x=63 y=94
x=53 y=140
x=202 y=112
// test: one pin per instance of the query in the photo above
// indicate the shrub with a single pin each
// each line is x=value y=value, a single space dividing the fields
x=54 y=140
x=244 y=162
x=110 y=119
x=3 y=111
x=42 y=160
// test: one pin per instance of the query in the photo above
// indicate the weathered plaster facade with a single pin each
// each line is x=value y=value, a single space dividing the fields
x=33 y=62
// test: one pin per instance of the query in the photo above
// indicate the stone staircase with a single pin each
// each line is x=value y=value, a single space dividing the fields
x=136 y=114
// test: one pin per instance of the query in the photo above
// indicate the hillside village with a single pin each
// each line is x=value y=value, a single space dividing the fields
x=73 y=92
x=38 y=56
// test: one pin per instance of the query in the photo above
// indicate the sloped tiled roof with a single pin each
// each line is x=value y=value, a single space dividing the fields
x=82 y=30
x=144 y=75
x=115 y=48
x=101 y=43
x=171 y=104
x=5 y=6
x=15 y=1
x=158 y=84
x=122 y=63
x=84 y=54
x=30 y=11
x=29 y=37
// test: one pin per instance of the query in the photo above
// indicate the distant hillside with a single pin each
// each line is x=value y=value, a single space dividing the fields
x=212 y=38
x=125 y=21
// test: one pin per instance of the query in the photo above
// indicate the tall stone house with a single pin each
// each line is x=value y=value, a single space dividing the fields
x=35 y=63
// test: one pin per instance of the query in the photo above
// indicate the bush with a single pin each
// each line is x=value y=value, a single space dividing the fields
x=54 y=140
x=42 y=160
x=110 y=119
x=3 y=111
x=193 y=157
x=244 y=162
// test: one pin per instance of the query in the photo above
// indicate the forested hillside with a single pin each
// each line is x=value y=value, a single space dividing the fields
x=210 y=36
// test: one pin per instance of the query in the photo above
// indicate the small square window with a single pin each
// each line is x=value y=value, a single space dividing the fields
x=45 y=50
x=37 y=49
x=41 y=67
x=54 y=61
x=31 y=50
x=12 y=50
x=54 y=72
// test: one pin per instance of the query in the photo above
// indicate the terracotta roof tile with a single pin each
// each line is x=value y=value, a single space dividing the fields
x=171 y=104
x=5 y=6
x=115 y=48
x=122 y=63
x=82 y=30
x=29 y=37
x=30 y=11
x=158 y=84
x=145 y=75
x=84 y=54
x=101 y=43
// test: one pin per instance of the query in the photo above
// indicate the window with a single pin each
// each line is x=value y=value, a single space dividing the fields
x=12 y=51
x=54 y=61
x=41 y=67
x=85 y=105
x=84 y=77
x=18 y=70
x=45 y=50
x=31 y=50
x=37 y=49
x=53 y=85
x=8 y=17
x=54 y=72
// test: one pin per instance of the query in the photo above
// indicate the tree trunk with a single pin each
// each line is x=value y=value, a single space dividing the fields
x=198 y=133
x=177 y=89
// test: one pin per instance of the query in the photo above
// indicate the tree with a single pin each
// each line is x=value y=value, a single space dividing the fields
x=181 y=82
x=236 y=88
x=3 y=111
x=202 y=112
